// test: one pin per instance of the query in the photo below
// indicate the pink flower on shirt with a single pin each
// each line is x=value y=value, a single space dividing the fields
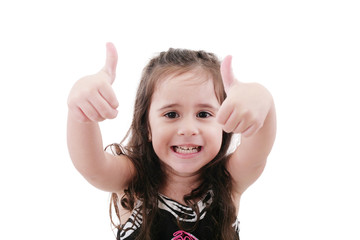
x=182 y=235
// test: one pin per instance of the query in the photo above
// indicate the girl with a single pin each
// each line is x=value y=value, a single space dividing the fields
x=175 y=178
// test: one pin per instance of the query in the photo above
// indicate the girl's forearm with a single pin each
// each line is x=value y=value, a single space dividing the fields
x=85 y=146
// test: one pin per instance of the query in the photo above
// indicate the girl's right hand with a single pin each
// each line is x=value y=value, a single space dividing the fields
x=92 y=98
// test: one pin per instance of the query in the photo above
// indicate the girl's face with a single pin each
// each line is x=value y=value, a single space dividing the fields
x=182 y=117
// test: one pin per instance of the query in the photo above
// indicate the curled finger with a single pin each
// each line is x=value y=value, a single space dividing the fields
x=90 y=112
x=102 y=107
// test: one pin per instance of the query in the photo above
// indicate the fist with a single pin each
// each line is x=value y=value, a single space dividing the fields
x=246 y=105
x=92 y=98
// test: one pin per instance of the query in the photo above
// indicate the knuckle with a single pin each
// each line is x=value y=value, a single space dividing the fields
x=113 y=114
x=105 y=112
x=115 y=103
x=100 y=119
x=248 y=114
x=92 y=116
x=227 y=129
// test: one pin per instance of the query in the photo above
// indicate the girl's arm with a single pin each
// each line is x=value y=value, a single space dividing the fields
x=103 y=170
x=90 y=101
x=248 y=161
x=248 y=109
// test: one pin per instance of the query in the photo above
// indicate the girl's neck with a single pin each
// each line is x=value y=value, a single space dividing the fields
x=177 y=186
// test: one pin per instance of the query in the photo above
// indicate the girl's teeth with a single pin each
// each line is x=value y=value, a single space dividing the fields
x=186 y=150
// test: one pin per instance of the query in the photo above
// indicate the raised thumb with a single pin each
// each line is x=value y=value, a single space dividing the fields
x=111 y=61
x=227 y=73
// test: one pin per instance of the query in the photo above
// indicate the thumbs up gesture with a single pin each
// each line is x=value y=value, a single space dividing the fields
x=246 y=105
x=92 y=98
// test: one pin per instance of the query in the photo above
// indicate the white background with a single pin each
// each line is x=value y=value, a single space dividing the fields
x=305 y=52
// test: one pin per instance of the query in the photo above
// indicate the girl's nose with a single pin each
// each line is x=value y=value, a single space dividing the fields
x=188 y=127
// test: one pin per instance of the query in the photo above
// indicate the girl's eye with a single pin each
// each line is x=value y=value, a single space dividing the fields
x=203 y=115
x=171 y=115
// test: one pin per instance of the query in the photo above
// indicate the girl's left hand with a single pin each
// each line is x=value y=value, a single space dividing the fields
x=246 y=105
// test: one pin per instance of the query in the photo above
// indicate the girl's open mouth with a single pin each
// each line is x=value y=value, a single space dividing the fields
x=186 y=150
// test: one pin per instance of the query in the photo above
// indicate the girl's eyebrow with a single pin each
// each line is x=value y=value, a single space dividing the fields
x=200 y=105
x=207 y=106
x=171 y=105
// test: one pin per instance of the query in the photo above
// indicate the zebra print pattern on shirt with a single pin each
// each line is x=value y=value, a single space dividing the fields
x=172 y=210
x=185 y=213
x=179 y=211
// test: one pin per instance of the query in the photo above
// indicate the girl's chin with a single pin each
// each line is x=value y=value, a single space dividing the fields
x=182 y=170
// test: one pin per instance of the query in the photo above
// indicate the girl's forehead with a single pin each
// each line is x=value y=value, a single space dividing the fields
x=202 y=79
x=190 y=78
x=185 y=90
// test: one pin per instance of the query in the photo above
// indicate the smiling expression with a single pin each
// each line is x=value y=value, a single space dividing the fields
x=182 y=118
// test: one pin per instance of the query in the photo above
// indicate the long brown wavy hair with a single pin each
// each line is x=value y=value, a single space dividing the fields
x=149 y=175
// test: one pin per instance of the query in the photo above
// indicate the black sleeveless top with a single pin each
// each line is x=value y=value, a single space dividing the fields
x=169 y=212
